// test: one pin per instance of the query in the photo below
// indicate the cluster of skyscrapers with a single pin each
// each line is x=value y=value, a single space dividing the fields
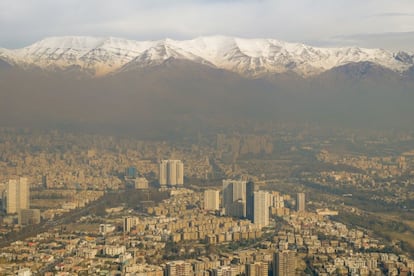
x=242 y=199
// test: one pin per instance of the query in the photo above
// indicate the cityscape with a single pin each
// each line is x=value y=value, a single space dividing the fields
x=206 y=138
x=102 y=205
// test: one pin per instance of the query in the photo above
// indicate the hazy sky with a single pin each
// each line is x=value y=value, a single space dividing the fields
x=370 y=23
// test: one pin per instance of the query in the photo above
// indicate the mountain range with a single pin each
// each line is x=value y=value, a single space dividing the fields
x=248 y=57
x=169 y=87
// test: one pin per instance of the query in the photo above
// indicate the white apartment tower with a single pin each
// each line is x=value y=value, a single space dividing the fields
x=171 y=173
x=17 y=195
x=211 y=200
x=262 y=203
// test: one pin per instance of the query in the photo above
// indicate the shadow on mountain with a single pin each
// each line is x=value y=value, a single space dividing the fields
x=179 y=97
x=4 y=65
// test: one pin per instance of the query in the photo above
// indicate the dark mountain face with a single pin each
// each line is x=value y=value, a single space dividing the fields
x=360 y=71
x=4 y=65
x=409 y=74
x=179 y=97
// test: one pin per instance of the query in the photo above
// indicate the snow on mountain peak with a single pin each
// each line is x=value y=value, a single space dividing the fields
x=67 y=42
x=250 y=57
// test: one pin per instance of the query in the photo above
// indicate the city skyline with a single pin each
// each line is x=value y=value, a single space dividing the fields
x=90 y=214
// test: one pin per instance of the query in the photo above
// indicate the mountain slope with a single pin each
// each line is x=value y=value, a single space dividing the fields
x=249 y=57
x=178 y=97
x=168 y=88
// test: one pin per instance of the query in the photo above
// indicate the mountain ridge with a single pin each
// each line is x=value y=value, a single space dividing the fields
x=252 y=58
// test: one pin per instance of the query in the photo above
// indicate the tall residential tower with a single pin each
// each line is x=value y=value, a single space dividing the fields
x=17 y=195
x=284 y=263
x=234 y=198
x=300 y=202
x=171 y=173
x=211 y=200
x=262 y=201
x=250 y=189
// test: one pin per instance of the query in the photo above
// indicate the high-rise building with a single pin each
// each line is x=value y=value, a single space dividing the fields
x=277 y=200
x=227 y=195
x=44 y=182
x=211 y=200
x=284 y=263
x=262 y=201
x=300 y=202
x=257 y=269
x=238 y=209
x=171 y=173
x=130 y=173
x=17 y=195
x=178 y=268
x=278 y=205
x=127 y=224
x=234 y=196
x=250 y=189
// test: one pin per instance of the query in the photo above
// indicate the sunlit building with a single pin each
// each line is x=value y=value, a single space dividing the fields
x=211 y=200
x=17 y=195
x=171 y=173
x=262 y=201
x=300 y=202
x=284 y=263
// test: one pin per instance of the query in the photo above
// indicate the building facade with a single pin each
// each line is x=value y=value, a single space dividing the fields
x=262 y=201
x=234 y=198
x=141 y=183
x=250 y=189
x=211 y=200
x=284 y=263
x=17 y=195
x=300 y=202
x=171 y=173
x=257 y=269
x=178 y=268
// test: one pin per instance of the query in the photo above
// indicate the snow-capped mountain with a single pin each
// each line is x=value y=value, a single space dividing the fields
x=248 y=57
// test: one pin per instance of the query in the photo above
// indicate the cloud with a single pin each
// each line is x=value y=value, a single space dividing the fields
x=391 y=40
x=393 y=14
x=23 y=22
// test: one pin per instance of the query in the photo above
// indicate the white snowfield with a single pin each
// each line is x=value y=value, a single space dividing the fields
x=248 y=57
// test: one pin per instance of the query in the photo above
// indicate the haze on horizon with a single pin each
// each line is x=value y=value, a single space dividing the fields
x=371 y=23
x=158 y=93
